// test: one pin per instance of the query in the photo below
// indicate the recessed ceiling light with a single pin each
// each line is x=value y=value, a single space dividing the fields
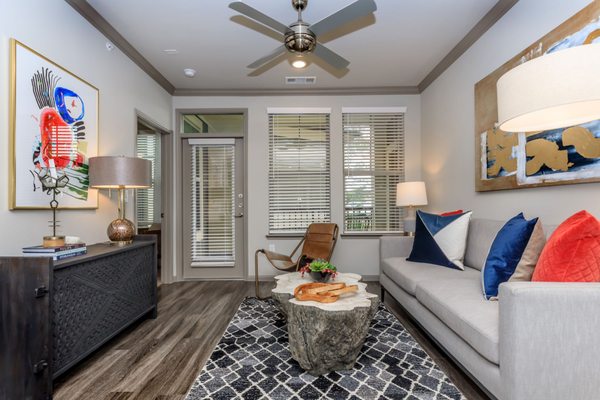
x=299 y=63
x=171 y=52
x=189 y=72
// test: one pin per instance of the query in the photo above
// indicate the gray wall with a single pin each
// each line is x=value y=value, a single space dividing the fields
x=352 y=254
x=55 y=30
x=448 y=140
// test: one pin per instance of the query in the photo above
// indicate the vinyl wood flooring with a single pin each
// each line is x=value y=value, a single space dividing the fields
x=159 y=359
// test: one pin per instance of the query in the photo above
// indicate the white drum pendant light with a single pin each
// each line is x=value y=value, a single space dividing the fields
x=553 y=91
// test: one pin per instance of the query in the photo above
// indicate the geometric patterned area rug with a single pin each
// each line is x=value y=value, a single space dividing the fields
x=252 y=361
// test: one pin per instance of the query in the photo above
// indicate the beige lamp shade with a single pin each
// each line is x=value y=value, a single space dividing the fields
x=119 y=172
x=553 y=91
x=411 y=194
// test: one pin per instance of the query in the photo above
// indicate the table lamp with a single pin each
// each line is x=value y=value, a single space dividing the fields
x=122 y=173
x=410 y=194
x=556 y=90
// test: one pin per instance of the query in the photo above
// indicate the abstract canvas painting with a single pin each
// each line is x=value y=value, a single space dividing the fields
x=561 y=156
x=54 y=132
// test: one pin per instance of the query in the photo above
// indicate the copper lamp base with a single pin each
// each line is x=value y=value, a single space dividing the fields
x=121 y=232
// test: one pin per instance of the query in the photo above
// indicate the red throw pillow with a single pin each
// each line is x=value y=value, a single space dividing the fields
x=572 y=253
x=449 y=213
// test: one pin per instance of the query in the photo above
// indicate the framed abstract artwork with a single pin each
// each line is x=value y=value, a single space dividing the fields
x=53 y=133
x=555 y=157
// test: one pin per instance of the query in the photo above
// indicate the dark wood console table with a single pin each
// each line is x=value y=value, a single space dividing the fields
x=54 y=314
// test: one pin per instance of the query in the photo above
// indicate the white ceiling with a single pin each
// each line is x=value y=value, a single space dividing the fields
x=399 y=46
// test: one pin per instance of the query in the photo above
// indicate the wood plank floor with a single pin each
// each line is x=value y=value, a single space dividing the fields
x=159 y=359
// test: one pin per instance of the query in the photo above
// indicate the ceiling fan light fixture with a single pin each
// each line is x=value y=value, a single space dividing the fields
x=299 y=63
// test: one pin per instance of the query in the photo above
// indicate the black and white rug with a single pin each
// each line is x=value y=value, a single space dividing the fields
x=252 y=361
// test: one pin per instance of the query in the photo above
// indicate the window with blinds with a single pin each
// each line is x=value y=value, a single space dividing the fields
x=373 y=144
x=148 y=200
x=213 y=203
x=299 y=182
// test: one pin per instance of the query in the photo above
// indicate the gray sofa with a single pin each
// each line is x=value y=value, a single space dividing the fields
x=539 y=341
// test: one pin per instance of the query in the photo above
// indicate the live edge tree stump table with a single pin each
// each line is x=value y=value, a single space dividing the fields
x=326 y=337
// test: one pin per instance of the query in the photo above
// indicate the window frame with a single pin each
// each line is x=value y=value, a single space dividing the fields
x=370 y=110
x=292 y=111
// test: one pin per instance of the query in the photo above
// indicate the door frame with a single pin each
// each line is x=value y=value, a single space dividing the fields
x=179 y=234
x=167 y=194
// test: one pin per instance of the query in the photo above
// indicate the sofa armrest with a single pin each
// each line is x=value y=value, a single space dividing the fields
x=549 y=340
x=395 y=246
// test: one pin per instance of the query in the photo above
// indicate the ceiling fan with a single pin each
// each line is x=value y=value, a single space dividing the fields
x=300 y=37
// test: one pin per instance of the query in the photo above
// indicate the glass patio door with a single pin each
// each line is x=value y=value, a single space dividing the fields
x=213 y=209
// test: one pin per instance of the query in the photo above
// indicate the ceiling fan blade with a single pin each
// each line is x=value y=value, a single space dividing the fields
x=330 y=57
x=263 y=60
x=256 y=15
x=360 y=8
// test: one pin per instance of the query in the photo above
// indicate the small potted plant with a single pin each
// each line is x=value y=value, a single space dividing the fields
x=320 y=270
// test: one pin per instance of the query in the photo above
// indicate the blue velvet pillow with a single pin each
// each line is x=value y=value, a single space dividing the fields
x=506 y=252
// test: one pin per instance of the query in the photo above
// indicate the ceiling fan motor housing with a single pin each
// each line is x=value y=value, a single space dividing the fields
x=300 y=39
x=299 y=4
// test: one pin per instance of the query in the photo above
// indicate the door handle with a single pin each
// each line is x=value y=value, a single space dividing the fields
x=240 y=215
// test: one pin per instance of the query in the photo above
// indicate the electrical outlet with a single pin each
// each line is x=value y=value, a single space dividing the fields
x=271 y=247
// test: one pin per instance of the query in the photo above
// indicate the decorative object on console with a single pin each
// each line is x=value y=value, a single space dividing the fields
x=122 y=173
x=572 y=253
x=514 y=253
x=410 y=194
x=52 y=184
x=564 y=155
x=441 y=240
x=56 y=253
x=53 y=132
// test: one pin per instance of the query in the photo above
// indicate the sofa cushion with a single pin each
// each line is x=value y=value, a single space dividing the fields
x=408 y=274
x=479 y=241
x=458 y=304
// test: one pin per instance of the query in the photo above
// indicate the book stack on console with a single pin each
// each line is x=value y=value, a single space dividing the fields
x=57 y=253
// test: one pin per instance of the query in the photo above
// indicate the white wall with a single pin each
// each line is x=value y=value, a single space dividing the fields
x=55 y=30
x=448 y=115
x=351 y=254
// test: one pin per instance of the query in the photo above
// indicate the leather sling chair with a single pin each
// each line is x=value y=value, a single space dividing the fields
x=318 y=243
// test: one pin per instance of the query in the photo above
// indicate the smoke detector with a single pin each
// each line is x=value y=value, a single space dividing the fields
x=300 y=80
x=189 y=72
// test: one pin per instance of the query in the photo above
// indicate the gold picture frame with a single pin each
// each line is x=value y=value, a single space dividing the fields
x=53 y=130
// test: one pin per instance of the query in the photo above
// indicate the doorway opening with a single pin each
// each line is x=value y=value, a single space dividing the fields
x=213 y=227
x=152 y=204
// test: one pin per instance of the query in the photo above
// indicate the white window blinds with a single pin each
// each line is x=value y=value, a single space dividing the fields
x=299 y=182
x=373 y=164
x=213 y=227
x=148 y=200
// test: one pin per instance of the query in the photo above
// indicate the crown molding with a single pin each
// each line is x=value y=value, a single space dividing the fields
x=389 y=90
x=89 y=13
x=94 y=18
x=470 y=38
